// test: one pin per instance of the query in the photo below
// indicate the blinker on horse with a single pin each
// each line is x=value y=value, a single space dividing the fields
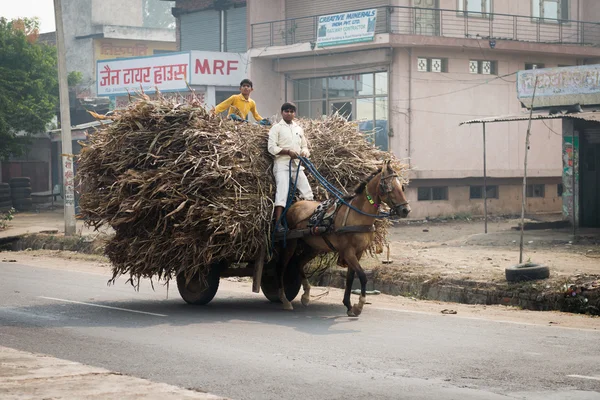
x=351 y=235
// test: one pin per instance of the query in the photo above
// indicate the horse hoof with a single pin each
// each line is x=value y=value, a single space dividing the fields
x=356 y=310
x=351 y=313
x=305 y=301
x=288 y=307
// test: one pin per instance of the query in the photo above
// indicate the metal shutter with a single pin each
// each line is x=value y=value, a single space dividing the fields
x=298 y=9
x=236 y=30
x=201 y=31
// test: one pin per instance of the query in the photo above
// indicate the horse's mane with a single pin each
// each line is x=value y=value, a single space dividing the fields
x=361 y=186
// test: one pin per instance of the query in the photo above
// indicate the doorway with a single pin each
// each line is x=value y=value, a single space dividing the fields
x=589 y=167
x=427 y=17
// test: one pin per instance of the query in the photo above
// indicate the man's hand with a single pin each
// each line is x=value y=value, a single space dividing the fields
x=235 y=117
x=292 y=154
x=304 y=153
x=264 y=122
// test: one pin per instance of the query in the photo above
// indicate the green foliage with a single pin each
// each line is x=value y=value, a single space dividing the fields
x=74 y=78
x=157 y=14
x=28 y=84
x=5 y=217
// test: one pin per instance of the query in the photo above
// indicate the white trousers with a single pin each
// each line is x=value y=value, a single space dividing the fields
x=282 y=181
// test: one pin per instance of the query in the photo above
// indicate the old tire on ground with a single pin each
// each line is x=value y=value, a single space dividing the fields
x=21 y=192
x=4 y=192
x=23 y=204
x=291 y=279
x=198 y=292
x=20 y=182
x=4 y=185
x=527 y=272
x=6 y=203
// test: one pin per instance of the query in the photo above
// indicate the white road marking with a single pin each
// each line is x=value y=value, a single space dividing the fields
x=593 y=378
x=101 y=306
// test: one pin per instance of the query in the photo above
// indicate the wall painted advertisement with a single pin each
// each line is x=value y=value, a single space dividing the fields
x=129 y=75
x=345 y=28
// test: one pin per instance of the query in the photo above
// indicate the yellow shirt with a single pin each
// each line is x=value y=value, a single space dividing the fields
x=238 y=105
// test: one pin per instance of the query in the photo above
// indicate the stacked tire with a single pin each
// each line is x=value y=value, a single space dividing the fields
x=20 y=191
x=5 y=199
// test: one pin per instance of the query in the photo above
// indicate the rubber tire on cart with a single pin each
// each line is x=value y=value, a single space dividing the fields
x=527 y=272
x=197 y=292
x=291 y=281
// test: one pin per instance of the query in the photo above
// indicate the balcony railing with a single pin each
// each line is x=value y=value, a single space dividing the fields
x=443 y=23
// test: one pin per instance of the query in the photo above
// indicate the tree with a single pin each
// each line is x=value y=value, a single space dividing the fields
x=157 y=14
x=28 y=84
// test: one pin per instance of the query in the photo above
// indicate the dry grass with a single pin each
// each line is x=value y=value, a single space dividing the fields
x=183 y=189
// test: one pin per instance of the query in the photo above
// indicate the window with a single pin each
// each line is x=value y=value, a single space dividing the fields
x=534 y=65
x=475 y=7
x=432 y=64
x=559 y=190
x=536 y=190
x=476 y=192
x=432 y=193
x=483 y=67
x=550 y=9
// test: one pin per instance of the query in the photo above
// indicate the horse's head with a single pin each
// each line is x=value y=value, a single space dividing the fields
x=391 y=191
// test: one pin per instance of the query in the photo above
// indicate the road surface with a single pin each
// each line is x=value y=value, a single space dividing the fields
x=242 y=347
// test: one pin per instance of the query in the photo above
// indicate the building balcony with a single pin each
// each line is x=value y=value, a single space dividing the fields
x=435 y=22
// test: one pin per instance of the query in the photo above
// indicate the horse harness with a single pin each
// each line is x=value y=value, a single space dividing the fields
x=325 y=213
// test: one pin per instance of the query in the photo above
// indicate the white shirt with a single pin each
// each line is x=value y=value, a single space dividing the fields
x=284 y=136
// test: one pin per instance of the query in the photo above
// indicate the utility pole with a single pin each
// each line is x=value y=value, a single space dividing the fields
x=65 y=122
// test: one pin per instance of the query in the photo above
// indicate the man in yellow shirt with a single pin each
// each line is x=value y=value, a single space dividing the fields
x=240 y=105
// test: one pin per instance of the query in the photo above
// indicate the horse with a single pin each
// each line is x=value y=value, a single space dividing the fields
x=384 y=185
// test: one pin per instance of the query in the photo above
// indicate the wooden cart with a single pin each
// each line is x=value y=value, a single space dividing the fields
x=201 y=292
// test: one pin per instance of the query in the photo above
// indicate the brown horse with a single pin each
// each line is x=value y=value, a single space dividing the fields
x=384 y=185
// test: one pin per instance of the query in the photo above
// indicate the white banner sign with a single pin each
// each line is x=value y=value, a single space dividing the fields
x=166 y=72
x=345 y=28
x=217 y=69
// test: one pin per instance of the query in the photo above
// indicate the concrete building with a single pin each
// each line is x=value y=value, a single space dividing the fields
x=426 y=66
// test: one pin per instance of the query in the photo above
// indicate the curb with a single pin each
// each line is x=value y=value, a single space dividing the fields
x=523 y=295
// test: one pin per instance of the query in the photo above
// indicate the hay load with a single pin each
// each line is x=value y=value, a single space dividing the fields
x=183 y=189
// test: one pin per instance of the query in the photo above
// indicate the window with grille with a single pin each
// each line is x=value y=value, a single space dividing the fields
x=534 y=65
x=536 y=190
x=483 y=67
x=432 y=64
x=476 y=192
x=550 y=10
x=432 y=193
x=559 y=190
x=477 y=8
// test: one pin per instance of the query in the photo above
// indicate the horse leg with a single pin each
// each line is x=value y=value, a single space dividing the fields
x=287 y=255
x=353 y=264
x=349 y=280
x=308 y=255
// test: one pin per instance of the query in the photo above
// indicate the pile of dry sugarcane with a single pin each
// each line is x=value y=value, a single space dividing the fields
x=182 y=188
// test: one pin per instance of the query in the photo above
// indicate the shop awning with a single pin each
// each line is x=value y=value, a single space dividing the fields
x=586 y=115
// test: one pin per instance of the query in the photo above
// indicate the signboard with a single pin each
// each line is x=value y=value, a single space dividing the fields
x=345 y=82
x=560 y=86
x=345 y=28
x=128 y=75
x=106 y=49
x=217 y=69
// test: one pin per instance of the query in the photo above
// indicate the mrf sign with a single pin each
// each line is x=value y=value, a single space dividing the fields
x=558 y=87
x=169 y=72
x=217 y=69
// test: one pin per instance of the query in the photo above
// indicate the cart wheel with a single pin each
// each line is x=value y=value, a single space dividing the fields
x=198 y=292
x=291 y=280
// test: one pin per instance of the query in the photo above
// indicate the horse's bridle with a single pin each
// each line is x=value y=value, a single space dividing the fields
x=386 y=189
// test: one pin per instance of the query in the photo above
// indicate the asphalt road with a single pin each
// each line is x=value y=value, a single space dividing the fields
x=243 y=347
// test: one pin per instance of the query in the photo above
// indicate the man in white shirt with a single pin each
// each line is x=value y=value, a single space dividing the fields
x=287 y=141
